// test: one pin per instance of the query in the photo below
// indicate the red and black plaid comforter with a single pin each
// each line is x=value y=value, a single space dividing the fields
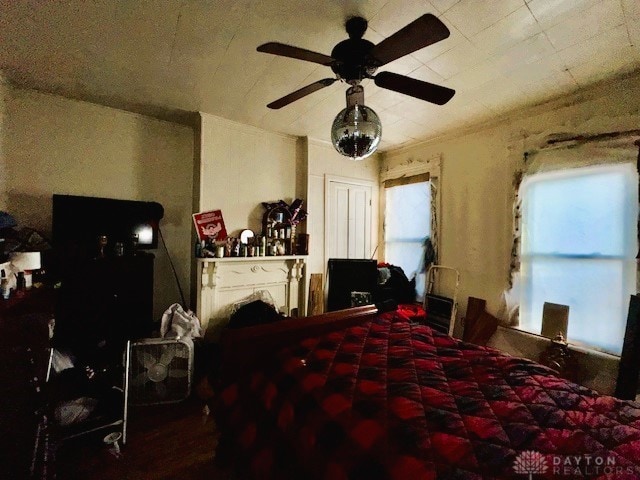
x=388 y=399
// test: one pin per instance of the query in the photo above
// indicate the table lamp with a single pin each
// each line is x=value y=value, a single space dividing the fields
x=26 y=262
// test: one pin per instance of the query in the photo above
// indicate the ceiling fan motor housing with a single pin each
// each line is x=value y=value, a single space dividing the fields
x=352 y=57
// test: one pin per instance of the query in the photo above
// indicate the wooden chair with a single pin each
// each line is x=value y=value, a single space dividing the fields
x=629 y=369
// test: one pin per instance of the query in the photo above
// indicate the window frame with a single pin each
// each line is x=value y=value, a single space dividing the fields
x=525 y=260
x=402 y=181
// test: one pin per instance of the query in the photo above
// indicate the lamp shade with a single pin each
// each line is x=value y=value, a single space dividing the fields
x=25 y=260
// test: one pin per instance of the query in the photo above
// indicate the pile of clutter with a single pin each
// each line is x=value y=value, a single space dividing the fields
x=20 y=256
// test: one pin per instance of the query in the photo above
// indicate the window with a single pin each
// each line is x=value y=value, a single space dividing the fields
x=579 y=243
x=407 y=224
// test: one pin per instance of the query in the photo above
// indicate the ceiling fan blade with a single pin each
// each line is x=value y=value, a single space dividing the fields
x=424 y=31
x=303 y=92
x=416 y=88
x=283 y=50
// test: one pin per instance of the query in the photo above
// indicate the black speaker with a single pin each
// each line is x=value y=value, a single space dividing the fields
x=629 y=369
x=347 y=275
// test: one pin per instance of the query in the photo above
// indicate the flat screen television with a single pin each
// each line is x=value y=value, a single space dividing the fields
x=347 y=275
x=78 y=222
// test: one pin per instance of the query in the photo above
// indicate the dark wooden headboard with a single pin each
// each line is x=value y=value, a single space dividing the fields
x=243 y=347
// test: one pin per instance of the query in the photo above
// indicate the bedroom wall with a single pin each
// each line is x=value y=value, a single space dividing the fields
x=52 y=144
x=324 y=160
x=478 y=166
x=241 y=167
x=5 y=92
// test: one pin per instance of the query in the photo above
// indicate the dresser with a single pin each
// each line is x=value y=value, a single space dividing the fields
x=26 y=325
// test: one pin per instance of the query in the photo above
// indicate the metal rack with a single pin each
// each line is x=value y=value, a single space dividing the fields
x=441 y=308
x=111 y=414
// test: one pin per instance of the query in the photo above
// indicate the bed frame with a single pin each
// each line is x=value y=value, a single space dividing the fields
x=243 y=347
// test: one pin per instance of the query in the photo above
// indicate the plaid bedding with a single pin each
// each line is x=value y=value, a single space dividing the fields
x=393 y=400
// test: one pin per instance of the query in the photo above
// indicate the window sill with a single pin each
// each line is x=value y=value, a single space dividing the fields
x=576 y=346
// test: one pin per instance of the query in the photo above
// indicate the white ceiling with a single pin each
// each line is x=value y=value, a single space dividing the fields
x=167 y=58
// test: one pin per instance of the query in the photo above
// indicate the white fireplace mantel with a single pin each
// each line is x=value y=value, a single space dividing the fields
x=224 y=281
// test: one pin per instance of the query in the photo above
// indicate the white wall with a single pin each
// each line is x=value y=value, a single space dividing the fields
x=241 y=167
x=5 y=93
x=478 y=167
x=51 y=144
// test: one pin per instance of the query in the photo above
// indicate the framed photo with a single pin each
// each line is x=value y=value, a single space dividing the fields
x=210 y=225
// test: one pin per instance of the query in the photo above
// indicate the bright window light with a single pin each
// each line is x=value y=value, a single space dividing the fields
x=579 y=243
x=407 y=224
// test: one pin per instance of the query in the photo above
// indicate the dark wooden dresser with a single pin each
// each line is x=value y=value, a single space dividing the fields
x=25 y=325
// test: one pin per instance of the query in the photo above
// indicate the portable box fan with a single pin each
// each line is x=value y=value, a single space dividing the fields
x=159 y=371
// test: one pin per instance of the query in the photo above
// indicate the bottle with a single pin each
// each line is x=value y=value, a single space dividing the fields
x=21 y=283
x=5 y=291
x=133 y=244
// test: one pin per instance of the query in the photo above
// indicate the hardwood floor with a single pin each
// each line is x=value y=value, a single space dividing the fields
x=164 y=442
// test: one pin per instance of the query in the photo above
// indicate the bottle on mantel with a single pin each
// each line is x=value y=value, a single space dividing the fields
x=5 y=291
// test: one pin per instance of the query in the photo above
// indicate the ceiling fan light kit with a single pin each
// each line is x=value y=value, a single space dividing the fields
x=356 y=130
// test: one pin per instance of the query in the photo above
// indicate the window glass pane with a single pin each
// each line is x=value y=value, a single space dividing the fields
x=407 y=212
x=596 y=290
x=407 y=255
x=407 y=224
x=580 y=212
x=571 y=219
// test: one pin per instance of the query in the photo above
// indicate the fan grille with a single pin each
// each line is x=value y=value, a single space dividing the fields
x=160 y=372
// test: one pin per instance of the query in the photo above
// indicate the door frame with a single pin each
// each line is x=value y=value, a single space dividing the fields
x=373 y=236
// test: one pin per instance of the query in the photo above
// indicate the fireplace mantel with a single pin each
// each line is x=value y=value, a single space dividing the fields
x=224 y=281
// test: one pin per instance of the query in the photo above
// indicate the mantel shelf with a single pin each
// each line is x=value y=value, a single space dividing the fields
x=272 y=258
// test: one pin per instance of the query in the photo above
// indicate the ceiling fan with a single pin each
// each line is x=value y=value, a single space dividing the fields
x=356 y=59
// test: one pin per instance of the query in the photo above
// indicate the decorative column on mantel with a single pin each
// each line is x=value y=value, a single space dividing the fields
x=224 y=281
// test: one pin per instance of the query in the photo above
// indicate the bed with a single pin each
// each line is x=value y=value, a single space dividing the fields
x=359 y=394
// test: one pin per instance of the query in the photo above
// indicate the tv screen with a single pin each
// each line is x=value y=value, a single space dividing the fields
x=78 y=222
x=348 y=275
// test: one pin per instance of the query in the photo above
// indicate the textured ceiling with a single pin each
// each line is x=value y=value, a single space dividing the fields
x=169 y=58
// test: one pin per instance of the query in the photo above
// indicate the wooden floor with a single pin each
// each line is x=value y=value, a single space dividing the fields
x=164 y=442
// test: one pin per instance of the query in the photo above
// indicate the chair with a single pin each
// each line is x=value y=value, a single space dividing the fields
x=629 y=369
